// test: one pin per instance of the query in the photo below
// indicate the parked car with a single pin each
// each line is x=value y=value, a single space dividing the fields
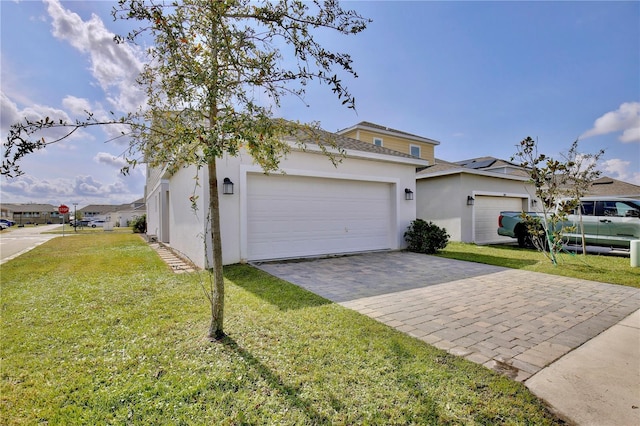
x=97 y=223
x=607 y=222
x=3 y=226
x=7 y=222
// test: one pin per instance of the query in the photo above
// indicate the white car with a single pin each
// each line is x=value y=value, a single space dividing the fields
x=97 y=223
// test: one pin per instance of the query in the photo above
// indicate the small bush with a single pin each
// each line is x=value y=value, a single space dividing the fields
x=139 y=224
x=424 y=237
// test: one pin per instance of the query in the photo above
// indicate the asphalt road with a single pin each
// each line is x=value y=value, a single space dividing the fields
x=16 y=241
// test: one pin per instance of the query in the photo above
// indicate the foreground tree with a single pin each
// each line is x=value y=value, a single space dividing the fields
x=216 y=69
x=582 y=172
x=559 y=186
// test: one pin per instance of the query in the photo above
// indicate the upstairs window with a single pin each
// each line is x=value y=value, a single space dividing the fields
x=377 y=141
x=414 y=150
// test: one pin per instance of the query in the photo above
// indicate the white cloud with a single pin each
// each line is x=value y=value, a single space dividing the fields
x=110 y=160
x=77 y=106
x=619 y=169
x=8 y=112
x=625 y=119
x=81 y=189
x=114 y=66
x=11 y=114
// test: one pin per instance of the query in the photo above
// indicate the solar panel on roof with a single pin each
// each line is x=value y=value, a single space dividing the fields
x=480 y=164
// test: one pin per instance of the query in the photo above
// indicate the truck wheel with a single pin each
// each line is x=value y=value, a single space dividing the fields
x=523 y=237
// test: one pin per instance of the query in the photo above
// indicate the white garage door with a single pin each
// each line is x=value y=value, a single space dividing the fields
x=293 y=216
x=486 y=211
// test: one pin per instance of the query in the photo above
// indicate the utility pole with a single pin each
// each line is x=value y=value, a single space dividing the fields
x=75 y=217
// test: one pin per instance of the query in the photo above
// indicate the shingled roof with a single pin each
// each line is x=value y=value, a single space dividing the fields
x=329 y=139
x=609 y=186
x=377 y=127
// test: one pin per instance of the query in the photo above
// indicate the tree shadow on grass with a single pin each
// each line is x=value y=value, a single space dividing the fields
x=289 y=393
x=279 y=293
x=425 y=410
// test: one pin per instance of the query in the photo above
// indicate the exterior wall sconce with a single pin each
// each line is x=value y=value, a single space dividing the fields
x=470 y=200
x=408 y=194
x=227 y=186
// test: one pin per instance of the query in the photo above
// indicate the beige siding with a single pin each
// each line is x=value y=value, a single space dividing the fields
x=395 y=143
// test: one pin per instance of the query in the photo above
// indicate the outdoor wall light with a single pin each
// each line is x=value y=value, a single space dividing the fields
x=408 y=194
x=470 y=200
x=227 y=186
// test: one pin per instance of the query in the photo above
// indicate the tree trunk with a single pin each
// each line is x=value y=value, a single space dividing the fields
x=217 y=292
x=584 y=242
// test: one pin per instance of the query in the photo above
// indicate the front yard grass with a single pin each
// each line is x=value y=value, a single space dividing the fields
x=69 y=230
x=97 y=330
x=608 y=269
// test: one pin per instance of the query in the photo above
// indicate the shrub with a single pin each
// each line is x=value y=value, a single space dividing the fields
x=139 y=224
x=426 y=237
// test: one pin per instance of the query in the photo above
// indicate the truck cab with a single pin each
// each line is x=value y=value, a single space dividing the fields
x=607 y=221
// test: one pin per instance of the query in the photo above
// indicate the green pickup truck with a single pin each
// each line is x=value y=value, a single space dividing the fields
x=607 y=221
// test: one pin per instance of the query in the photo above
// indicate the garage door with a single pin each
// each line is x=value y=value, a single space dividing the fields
x=486 y=211
x=293 y=216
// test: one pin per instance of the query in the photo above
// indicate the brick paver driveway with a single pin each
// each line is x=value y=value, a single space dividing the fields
x=510 y=320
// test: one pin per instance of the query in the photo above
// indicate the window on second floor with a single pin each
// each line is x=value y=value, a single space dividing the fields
x=414 y=150
x=377 y=141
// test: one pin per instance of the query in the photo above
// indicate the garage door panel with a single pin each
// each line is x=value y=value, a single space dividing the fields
x=486 y=212
x=292 y=216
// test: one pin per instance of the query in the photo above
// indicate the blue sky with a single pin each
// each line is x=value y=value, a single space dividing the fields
x=476 y=76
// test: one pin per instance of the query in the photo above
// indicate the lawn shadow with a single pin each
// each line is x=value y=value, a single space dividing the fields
x=488 y=259
x=426 y=409
x=289 y=393
x=275 y=291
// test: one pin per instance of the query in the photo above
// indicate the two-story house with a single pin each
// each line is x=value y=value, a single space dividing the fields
x=313 y=208
x=414 y=145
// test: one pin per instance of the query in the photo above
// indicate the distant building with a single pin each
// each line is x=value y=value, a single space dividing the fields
x=118 y=215
x=31 y=213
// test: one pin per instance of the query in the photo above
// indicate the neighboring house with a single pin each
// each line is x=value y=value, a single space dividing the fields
x=118 y=215
x=6 y=212
x=609 y=186
x=31 y=213
x=492 y=164
x=124 y=214
x=466 y=197
x=417 y=146
x=312 y=209
x=96 y=211
x=467 y=201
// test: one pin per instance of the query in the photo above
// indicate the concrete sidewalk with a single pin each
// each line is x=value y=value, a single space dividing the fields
x=572 y=341
x=598 y=383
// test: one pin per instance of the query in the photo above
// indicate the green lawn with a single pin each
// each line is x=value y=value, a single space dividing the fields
x=69 y=230
x=608 y=269
x=97 y=330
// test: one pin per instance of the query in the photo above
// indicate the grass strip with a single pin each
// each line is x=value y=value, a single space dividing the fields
x=601 y=268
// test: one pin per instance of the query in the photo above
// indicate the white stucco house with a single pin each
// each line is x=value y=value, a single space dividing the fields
x=313 y=208
x=467 y=197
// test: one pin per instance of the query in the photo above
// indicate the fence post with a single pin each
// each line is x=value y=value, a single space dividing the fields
x=635 y=253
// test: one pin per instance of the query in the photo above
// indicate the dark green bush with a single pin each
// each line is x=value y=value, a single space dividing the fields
x=426 y=237
x=139 y=224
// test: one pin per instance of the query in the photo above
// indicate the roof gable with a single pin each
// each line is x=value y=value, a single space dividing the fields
x=377 y=128
x=328 y=139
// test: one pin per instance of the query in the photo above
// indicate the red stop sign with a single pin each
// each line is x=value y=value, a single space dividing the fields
x=63 y=209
